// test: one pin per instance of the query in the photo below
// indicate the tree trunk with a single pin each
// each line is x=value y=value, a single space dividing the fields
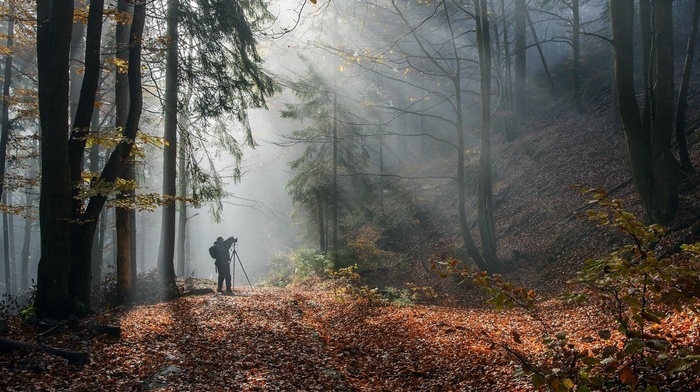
x=54 y=23
x=80 y=267
x=519 y=83
x=508 y=82
x=576 y=60
x=686 y=163
x=541 y=53
x=665 y=170
x=652 y=166
x=6 y=247
x=26 y=242
x=321 y=227
x=125 y=284
x=334 y=212
x=485 y=187
x=166 y=255
x=4 y=136
x=182 y=210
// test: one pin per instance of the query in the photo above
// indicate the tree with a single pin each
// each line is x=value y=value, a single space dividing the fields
x=519 y=79
x=4 y=136
x=54 y=20
x=654 y=169
x=124 y=219
x=485 y=183
x=333 y=149
x=167 y=240
x=63 y=281
x=683 y=92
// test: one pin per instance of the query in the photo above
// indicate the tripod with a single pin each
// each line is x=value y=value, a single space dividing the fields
x=234 y=257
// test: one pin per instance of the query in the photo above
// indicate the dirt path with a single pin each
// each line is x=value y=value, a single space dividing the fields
x=280 y=340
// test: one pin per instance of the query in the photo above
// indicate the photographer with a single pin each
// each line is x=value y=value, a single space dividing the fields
x=222 y=262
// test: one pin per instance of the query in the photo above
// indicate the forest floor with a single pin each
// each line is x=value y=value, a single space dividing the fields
x=269 y=339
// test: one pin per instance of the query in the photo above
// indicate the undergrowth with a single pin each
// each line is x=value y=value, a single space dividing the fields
x=641 y=295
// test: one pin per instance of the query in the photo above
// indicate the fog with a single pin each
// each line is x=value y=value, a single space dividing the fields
x=366 y=50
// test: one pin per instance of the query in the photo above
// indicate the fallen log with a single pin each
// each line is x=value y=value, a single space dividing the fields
x=73 y=357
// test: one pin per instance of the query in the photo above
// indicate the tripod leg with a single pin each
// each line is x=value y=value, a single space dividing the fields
x=243 y=269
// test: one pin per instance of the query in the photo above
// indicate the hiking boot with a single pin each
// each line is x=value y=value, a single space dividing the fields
x=229 y=291
x=219 y=291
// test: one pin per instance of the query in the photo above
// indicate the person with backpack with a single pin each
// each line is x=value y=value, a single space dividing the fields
x=220 y=252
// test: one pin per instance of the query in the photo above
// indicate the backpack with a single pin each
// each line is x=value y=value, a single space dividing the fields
x=213 y=252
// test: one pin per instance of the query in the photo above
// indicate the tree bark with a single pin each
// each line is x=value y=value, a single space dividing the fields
x=653 y=168
x=166 y=255
x=686 y=163
x=4 y=137
x=487 y=227
x=182 y=210
x=519 y=82
x=80 y=267
x=665 y=170
x=54 y=23
x=125 y=283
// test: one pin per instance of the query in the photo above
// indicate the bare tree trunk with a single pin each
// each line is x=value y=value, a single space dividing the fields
x=81 y=236
x=519 y=83
x=54 y=23
x=321 y=227
x=686 y=163
x=6 y=247
x=576 y=48
x=485 y=186
x=26 y=242
x=166 y=255
x=652 y=165
x=334 y=212
x=4 y=136
x=541 y=53
x=124 y=259
x=182 y=211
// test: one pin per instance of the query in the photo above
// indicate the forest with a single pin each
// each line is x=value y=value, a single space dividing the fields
x=410 y=195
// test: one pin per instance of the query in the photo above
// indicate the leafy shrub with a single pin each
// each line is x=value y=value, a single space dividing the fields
x=310 y=263
x=637 y=291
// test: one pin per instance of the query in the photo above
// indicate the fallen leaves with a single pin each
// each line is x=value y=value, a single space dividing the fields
x=289 y=340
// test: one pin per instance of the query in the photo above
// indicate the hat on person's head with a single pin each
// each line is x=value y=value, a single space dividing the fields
x=219 y=239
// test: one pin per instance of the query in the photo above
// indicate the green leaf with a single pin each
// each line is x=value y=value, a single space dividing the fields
x=678 y=365
x=537 y=380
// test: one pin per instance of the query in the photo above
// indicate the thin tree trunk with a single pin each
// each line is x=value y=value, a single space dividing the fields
x=541 y=53
x=182 y=210
x=686 y=163
x=124 y=257
x=519 y=83
x=485 y=186
x=334 y=212
x=576 y=48
x=6 y=247
x=508 y=85
x=166 y=255
x=4 y=136
x=321 y=227
x=26 y=243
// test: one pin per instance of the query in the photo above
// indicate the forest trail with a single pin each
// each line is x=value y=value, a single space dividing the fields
x=292 y=340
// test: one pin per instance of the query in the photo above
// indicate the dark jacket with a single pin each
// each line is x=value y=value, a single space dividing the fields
x=223 y=250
